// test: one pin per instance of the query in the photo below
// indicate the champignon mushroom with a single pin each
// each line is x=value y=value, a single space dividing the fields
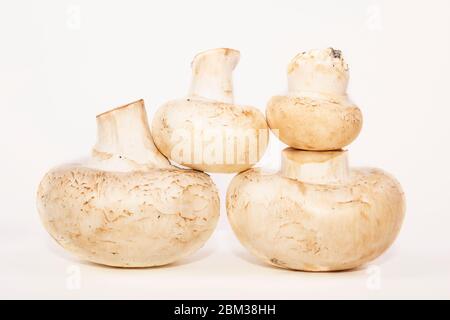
x=206 y=130
x=127 y=206
x=316 y=214
x=316 y=114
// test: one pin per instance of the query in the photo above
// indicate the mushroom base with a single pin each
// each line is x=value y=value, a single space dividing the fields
x=129 y=219
x=315 y=227
x=311 y=124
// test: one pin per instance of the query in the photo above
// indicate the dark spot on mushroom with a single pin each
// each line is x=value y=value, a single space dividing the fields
x=277 y=262
x=336 y=53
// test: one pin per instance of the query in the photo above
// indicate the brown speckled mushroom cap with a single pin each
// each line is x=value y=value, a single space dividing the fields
x=316 y=214
x=316 y=113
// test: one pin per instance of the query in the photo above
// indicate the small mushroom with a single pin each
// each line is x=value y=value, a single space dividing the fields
x=316 y=113
x=316 y=214
x=207 y=130
x=127 y=206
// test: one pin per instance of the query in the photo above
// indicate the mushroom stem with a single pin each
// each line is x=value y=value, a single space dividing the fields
x=124 y=132
x=212 y=74
x=318 y=71
x=326 y=167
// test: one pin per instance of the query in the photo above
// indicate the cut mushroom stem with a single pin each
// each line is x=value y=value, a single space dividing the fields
x=212 y=74
x=328 y=168
x=318 y=72
x=124 y=132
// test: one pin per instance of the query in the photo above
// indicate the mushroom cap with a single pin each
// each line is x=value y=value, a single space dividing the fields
x=316 y=227
x=310 y=123
x=210 y=136
x=128 y=219
x=316 y=113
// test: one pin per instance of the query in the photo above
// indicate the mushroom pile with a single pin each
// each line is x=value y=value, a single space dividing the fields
x=316 y=213
x=128 y=206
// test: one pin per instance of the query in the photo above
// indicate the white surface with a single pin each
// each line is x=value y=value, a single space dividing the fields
x=59 y=69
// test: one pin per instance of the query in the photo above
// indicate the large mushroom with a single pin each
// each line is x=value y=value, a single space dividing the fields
x=316 y=214
x=316 y=113
x=207 y=130
x=127 y=206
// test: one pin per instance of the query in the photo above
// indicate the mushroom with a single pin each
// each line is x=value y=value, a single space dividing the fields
x=316 y=213
x=207 y=130
x=316 y=114
x=127 y=206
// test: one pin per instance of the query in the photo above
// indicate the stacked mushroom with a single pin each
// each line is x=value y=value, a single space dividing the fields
x=316 y=213
x=127 y=206
x=206 y=130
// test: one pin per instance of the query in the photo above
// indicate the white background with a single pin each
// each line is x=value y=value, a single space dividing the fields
x=62 y=62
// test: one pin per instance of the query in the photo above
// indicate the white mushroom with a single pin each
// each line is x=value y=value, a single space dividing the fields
x=127 y=206
x=316 y=214
x=206 y=130
x=316 y=114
